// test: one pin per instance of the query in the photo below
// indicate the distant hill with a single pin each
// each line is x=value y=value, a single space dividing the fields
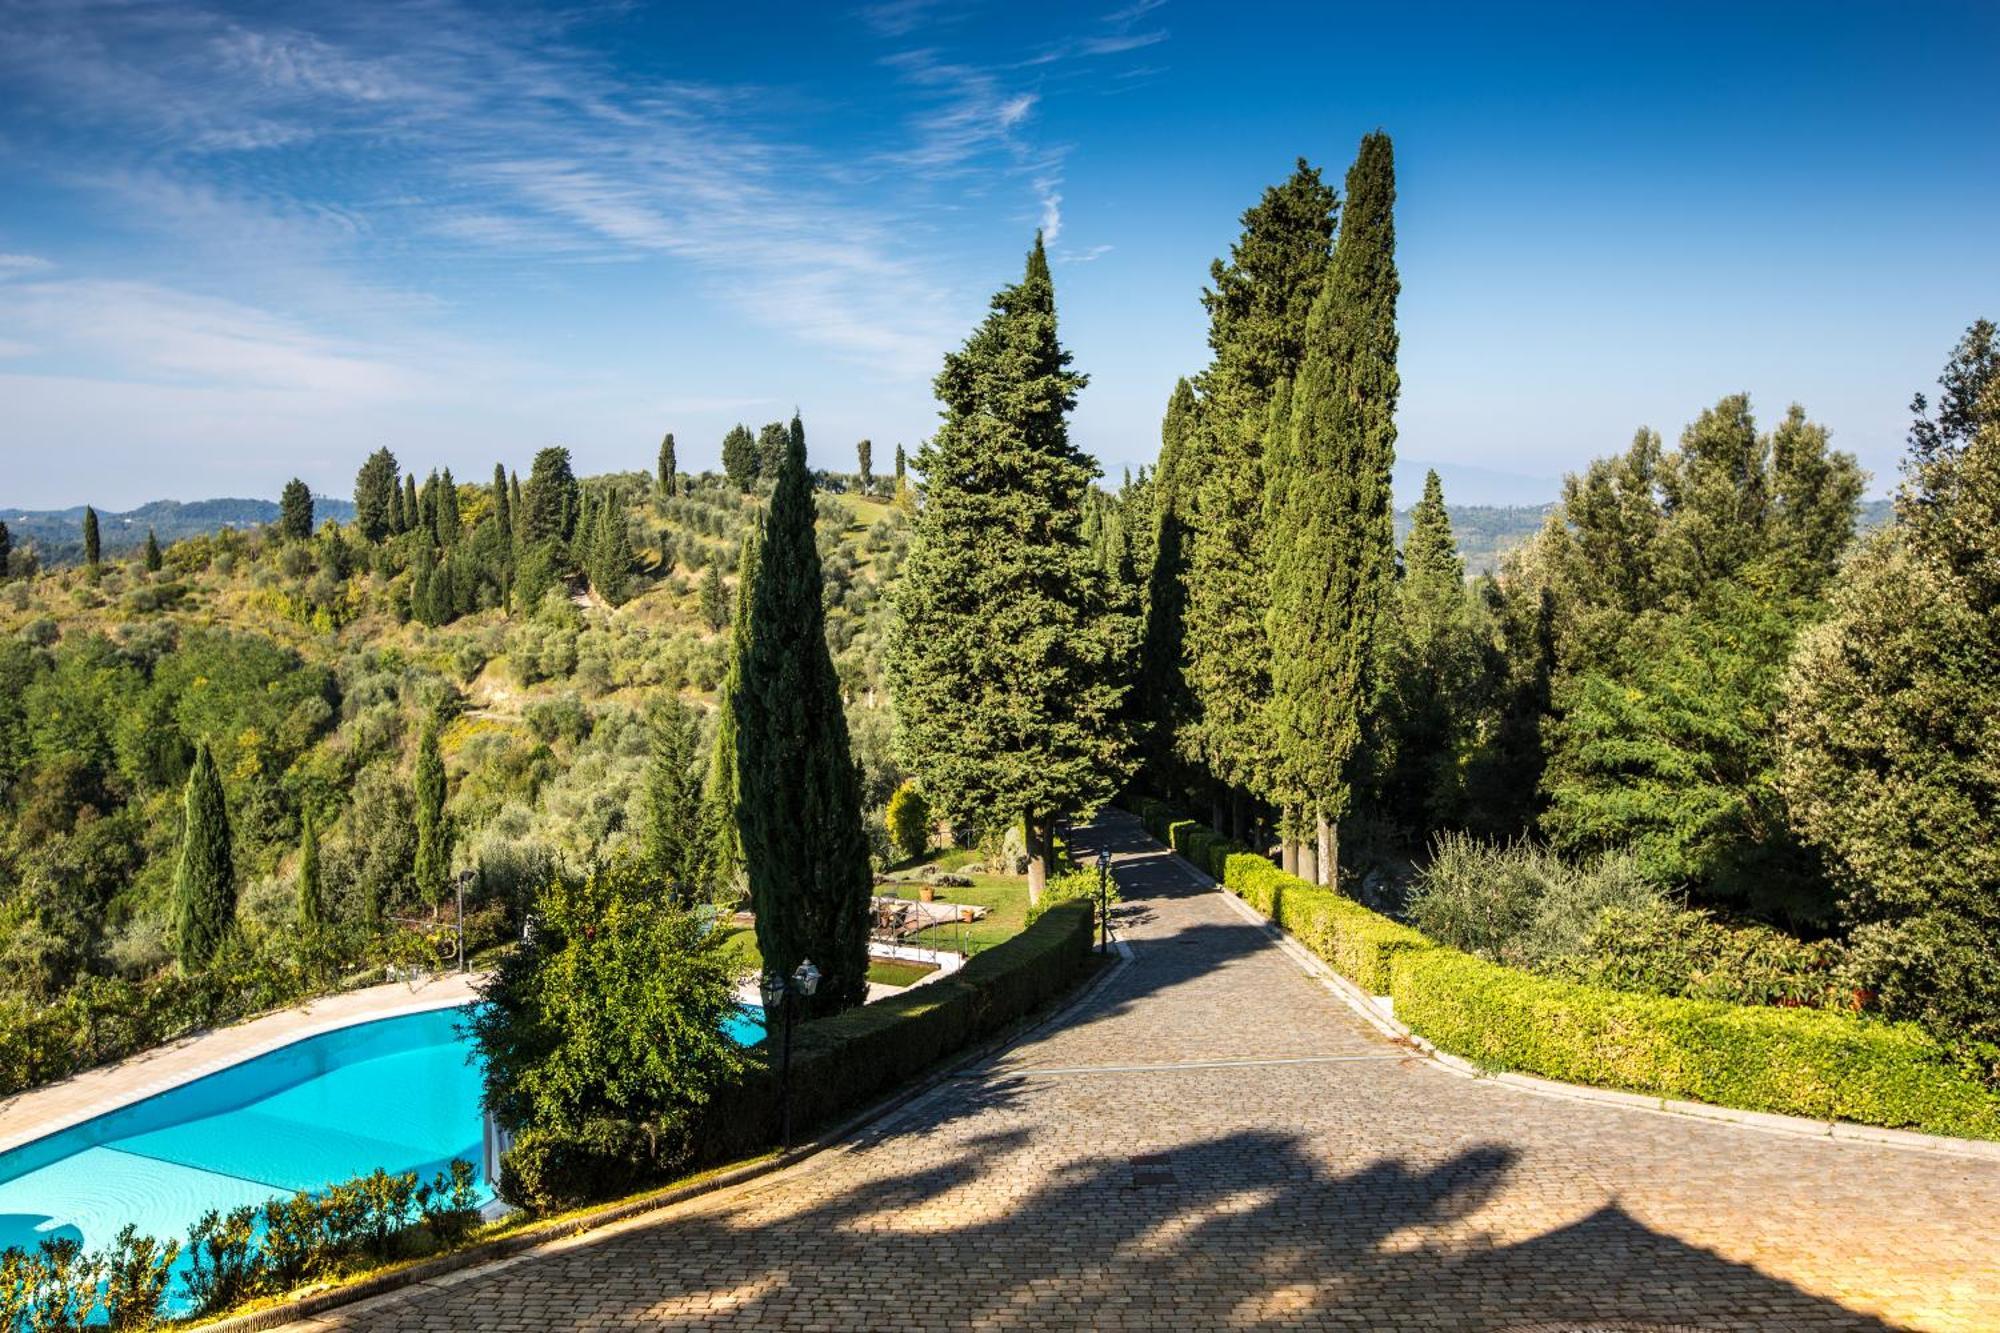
x=58 y=533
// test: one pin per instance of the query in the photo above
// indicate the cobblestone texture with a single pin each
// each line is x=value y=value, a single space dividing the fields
x=1082 y=1181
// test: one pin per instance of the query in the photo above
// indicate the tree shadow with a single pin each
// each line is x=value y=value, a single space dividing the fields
x=1240 y=1229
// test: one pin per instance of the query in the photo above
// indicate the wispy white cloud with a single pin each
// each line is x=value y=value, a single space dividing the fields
x=12 y=266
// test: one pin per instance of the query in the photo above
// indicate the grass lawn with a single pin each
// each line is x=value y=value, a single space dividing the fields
x=896 y=972
x=1005 y=897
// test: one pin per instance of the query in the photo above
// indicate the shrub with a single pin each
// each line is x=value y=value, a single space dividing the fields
x=448 y=1205
x=1519 y=903
x=909 y=821
x=1357 y=942
x=223 y=1258
x=1071 y=886
x=136 y=1270
x=1792 y=1061
x=1660 y=949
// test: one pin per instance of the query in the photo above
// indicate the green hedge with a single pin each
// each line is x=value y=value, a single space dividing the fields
x=1805 y=1062
x=842 y=1063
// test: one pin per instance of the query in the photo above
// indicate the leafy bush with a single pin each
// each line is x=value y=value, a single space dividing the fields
x=1660 y=949
x=1071 y=886
x=909 y=821
x=1518 y=903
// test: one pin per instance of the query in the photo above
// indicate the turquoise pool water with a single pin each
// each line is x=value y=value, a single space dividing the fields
x=399 y=1093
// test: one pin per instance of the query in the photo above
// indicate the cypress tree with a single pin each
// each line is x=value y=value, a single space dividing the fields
x=675 y=848
x=312 y=904
x=90 y=538
x=719 y=795
x=413 y=512
x=1257 y=315
x=669 y=473
x=1162 y=671
x=1336 y=556
x=373 y=488
x=154 y=558
x=422 y=574
x=549 y=504
x=1006 y=665
x=514 y=510
x=433 y=864
x=446 y=520
x=714 y=600
x=771 y=443
x=295 y=511
x=6 y=551
x=610 y=565
x=205 y=879
x=399 y=521
x=739 y=457
x=901 y=463
x=865 y=454
x=799 y=799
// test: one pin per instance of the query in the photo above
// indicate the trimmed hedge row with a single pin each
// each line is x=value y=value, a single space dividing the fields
x=1805 y=1062
x=840 y=1064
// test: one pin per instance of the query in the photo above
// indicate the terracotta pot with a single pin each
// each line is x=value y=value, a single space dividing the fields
x=926 y=894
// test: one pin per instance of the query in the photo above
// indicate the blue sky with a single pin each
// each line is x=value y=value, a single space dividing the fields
x=238 y=244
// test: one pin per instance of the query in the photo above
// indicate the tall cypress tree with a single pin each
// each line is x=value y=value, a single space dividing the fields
x=739 y=457
x=800 y=799
x=413 y=510
x=771 y=442
x=865 y=456
x=433 y=865
x=549 y=505
x=1257 y=308
x=675 y=848
x=514 y=506
x=669 y=470
x=719 y=795
x=154 y=557
x=374 y=486
x=1007 y=666
x=1337 y=555
x=446 y=520
x=6 y=551
x=205 y=879
x=902 y=462
x=312 y=902
x=714 y=600
x=91 y=549
x=1163 y=670
x=295 y=511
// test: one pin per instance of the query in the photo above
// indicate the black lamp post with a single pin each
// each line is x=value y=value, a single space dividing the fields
x=1103 y=900
x=778 y=992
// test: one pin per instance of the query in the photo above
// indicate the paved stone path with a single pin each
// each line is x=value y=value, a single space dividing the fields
x=1214 y=1140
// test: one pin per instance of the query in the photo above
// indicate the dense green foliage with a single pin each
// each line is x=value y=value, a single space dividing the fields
x=800 y=814
x=606 y=1025
x=295 y=511
x=909 y=822
x=1009 y=660
x=676 y=845
x=205 y=882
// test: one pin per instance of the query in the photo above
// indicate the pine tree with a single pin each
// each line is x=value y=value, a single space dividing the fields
x=312 y=903
x=799 y=798
x=549 y=503
x=446 y=524
x=1257 y=308
x=669 y=477
x=91 y=549
x=865 y=455
x=719 y=795
x=205 y=879
x=433 y=864
x=771 y=443
x=6 y=551
x=676 y=849
x=714 y=600
x=1007 y=662
x=154 y=557
x=372 y=487
x=739 y=457
x=1336 y=555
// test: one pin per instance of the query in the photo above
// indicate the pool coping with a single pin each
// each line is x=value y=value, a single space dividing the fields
x=445 y=991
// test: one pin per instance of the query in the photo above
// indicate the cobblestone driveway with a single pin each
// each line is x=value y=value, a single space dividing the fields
x=1213 y=1140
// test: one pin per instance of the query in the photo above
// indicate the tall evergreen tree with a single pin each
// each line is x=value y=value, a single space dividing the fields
x=295 y=511
x=515 y=510
x=549 y=501
x=739 y=457
x=6 y=551
x=771 y=443
x=91 y=549
x=676 y=849
x=611 y=551
x=312 y=900
x=205 y=879
x=446 y=522
x=800 y=800
x=902 y=462
x=423 y=574
x=669 y=477
x=154 y=557
x=413 y=510
x=1007 y=665
x=1336 y=555
x=714 y=600
x=719 y=794
x=1257 y=307
x=1163 y=671
x=373 y=485
x=865 y=455
x=433 y=864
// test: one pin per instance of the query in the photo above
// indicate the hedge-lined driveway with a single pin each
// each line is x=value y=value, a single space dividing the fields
x=1214 y=1140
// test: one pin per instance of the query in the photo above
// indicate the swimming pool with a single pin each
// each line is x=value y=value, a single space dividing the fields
x=397 y=1093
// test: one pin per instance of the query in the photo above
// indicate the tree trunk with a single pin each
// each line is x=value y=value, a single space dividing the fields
x=1288 y=843
x=1038 y=856
x=1329 y=853
x=1308 y=868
